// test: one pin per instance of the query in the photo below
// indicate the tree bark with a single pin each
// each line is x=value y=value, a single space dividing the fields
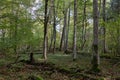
x=67 y=31
x=16 y=31
x=103 y=28
x=95 y=60
x=53 y=37
x=54 y=26
x=31 y=58
x=84 y=27
x=63 y=38
x=45 y=31
x=74 y=31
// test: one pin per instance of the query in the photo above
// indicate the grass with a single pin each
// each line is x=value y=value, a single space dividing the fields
x=22 y=71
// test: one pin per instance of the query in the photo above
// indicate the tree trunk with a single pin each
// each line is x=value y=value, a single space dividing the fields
x=15 y=34
x=45 y=31
x=84 y=27
x=67 y=31
x=54 y=26
x=74 y=31
x=118 y=40
x=63 y=38
x=53 y=37
x=31 y=58
x=103 y=28
x=16 y=31
x=51 y=42
x=61 y=41
x=95 y=60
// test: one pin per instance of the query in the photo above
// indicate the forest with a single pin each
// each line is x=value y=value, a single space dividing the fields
x=59 y=39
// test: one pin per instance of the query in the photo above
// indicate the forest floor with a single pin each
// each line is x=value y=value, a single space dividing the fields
x=58 y=67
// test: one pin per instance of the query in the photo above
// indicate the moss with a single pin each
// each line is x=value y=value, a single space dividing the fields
x=33 y=77
x=102 y=78
x=95 y=70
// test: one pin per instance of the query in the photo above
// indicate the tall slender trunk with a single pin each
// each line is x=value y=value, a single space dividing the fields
x=54 y=26
x=45 y=31
x=53 y=36
x=51 y=42
x=103 y=28
x=61 y=41
x=67 y=31
x=15 y=35
x=16 y=31
x=118 y=40
x=74 y=31
x=118 y=30
x=65 y=28
x=95 y=60
x=84 y=27
x=63 y=38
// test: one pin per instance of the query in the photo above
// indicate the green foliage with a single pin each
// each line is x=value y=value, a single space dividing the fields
x=22 y=30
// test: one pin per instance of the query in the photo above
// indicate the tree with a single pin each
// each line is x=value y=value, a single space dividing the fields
x=67 y=31
x=84 y=26
x=95 y=60
x=63 y=37
x=53 y=37
x=54 y=26
x=115 y=6
x=45 y=31
x=115 y=10
x=103 y=28
x=74 y=30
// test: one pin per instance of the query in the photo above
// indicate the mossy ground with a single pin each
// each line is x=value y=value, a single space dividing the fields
x=59 y=66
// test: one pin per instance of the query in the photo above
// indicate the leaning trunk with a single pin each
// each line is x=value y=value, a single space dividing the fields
x=63 y=38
